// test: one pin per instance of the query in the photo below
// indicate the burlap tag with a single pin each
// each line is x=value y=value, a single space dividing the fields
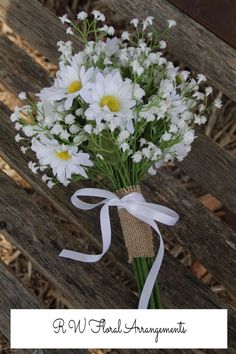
x=137 y=234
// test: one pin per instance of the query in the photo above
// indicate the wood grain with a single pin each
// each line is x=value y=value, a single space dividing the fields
x=14 y=295
x=18 y=70
x=189 y=42
x=218 y=16
x=36 y=24
x=213 y=168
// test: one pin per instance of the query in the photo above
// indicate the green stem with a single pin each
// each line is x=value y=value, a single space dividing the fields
x=142 y=266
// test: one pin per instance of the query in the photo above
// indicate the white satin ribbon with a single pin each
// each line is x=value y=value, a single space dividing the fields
x=136 y=205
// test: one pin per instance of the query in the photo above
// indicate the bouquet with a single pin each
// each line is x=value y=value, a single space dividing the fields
x=117 y=111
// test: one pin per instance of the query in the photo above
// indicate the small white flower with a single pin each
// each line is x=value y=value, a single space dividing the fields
x=98 y=15
x=138 y=92
x=208 y=91
x=50 y=183
x=28 y=130
x=45 y=178
x=88 y=128
x=166 y=136
x=199 y=119
x=171 y=23
x=78 y=139
x=65 y=160
x=125 y=36
x=137 y=156
x=15 y=115
x=22 y=96
x=74 y=129
x=82 y=15
x=125 y=147
x=79 y=112
x=162 y=44
x=107 y=61
x=147 y=22
x=69 y=31
x=32 y=166
x=137 y=68
x=107 y=29
x=123 y=136
x=199 y=95
x=201 y=78
x=147 y=152
x=18 y=138
x=217 y=103
x=64 y=19
x=188 y=137
x=18 y=126
x=152 y=171
x=23 y=149
x=69 y=119
x=134 y=22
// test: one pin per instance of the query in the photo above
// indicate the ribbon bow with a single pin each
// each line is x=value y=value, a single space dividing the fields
x=136 y=205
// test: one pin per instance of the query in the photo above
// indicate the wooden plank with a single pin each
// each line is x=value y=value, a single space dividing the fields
x=218 y=16
x=189 y=42
x=209 y=240
x=20 y=71
x=196 y=223
x=32 y=21
x=33 y=232
x=213 y=168
x=13 y=295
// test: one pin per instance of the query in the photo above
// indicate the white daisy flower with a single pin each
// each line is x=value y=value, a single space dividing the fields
x=64 y=160
x=70 y=83
x=109 y=97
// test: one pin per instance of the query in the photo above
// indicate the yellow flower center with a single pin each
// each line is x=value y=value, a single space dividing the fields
x=74 y=86
x=111 y=102
x=63 y=155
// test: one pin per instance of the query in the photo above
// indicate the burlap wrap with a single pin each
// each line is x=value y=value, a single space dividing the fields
x=137 y=234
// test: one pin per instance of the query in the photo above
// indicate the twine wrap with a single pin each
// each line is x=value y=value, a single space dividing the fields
x=137 y=234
